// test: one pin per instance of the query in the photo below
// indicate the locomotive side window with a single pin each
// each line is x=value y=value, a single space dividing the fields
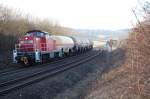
x=39 y=34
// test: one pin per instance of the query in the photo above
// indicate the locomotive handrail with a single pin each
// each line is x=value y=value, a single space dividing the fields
x=28 y=47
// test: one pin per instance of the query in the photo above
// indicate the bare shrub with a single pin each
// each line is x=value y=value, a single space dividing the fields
x=13 y=24
x=138 y=59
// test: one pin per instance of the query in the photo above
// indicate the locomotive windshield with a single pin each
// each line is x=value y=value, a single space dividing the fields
x=29 y=34
x=37 y=34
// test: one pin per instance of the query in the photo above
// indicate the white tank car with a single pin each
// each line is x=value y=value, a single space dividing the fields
x=63 y=43
x=81 y=43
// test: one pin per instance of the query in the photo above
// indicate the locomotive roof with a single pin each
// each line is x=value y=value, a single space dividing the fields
x=31 y=31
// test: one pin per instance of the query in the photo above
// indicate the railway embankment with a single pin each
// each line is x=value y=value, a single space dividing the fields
x=75 y=83
x=5 y=59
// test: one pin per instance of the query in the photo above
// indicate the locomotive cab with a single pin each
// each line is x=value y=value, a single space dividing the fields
x=31 y=41
x=30 y=46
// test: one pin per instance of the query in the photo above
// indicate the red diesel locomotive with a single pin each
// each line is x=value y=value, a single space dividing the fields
x=37 y=46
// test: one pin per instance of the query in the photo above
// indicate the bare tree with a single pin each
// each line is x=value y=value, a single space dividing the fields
x=13 y=24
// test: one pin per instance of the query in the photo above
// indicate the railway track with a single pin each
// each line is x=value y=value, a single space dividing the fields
x=10 y=85
x=29 y=71
x=7 y=70
x=20 y=69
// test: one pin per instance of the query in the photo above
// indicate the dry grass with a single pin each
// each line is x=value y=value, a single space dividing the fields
x=112 y=74
x=132 y=79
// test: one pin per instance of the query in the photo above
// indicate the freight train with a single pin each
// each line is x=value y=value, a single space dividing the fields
x=38 y=46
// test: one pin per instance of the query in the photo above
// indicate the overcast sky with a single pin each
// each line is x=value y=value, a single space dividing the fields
x=83 y=14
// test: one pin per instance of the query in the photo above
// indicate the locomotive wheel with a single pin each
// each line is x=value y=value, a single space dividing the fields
x=26 y=61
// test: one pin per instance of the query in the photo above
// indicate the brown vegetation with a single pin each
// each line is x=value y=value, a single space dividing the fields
x=138 y=58
x=14 y=24
x=132 y=79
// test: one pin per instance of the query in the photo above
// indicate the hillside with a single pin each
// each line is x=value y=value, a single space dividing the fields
x=96 y=34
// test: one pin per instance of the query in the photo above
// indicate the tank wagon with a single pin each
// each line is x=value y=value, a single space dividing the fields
x=82 y=44
x=38 y=46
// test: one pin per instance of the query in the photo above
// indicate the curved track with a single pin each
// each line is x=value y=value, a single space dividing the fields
x=20 y=69
x=29 y=71
x=9 y=85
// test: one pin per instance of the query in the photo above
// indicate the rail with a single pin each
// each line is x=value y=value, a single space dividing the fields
x=42 y=74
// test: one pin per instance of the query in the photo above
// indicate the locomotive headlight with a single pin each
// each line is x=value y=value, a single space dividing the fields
x=21 y=42
x=19 y=45
x=26 y=38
